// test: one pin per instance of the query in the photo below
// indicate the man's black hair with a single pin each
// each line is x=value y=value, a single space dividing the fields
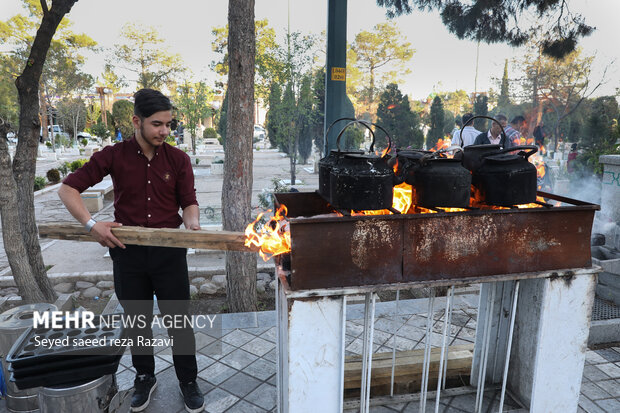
x=501 y=117
x=517 y=119
x=149 y=101
x=466 y=118
x=458 y=121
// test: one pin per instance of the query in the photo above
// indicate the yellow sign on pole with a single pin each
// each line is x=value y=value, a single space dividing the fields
x=339 y=74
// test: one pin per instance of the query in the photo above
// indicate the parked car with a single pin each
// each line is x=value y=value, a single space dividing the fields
x=259 y=132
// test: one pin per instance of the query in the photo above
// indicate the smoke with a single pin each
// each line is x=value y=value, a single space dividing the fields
x=587 y=189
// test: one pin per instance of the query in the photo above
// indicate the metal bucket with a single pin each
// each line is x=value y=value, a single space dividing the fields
x=87 y=397
x=13 y=323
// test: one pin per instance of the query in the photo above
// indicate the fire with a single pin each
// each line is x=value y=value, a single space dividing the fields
x=392 y=106
x=530 y=205
x=441 y=144
x=401 y=201
x=274 y=238
x=384 y=152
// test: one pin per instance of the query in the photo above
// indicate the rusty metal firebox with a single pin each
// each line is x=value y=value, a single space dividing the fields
x=380 y=249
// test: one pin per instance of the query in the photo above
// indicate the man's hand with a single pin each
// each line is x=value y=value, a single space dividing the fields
x=101 y=231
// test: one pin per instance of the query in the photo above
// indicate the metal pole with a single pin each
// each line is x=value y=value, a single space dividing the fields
x=485 y=352
x=369 y=325
x=513 y=313
x=427 y=350
x=335 y=68
x=445 y=366
x=444 y=340
x=394 y=348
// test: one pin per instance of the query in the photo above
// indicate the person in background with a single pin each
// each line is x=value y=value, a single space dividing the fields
x=492 y=137
x=119 y=135
x=469 y=133
x=539 y=134
x=572 y=155
x=152 y=181
x=458 y=123
x=513 y=131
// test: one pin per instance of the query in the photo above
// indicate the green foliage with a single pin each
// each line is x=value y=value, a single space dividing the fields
x=72 y=113
x=394 y=114
x=62 y=141
x=122 y=112
x=221 y=125
x=479 y=22
x=481 y=109
x=64 y=168
x=272 y=119
x=197 y=161
x=318 y=92
x=75 y=165
x=170 y=140
x=100 y=129
x=305 y=119
x=503 y=101
x=436 y=123
x=53 y=175
x=48 y=144
x=379 y=56
x=448 y=122
x=209 y=133
x=84 y=141
x=193 y=103
x=39 y=182
x=141 y=51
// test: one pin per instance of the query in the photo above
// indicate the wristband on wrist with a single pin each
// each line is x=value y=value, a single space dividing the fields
x=89 y=225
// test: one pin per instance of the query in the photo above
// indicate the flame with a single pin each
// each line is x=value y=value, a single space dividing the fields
x=401 y=201
x=530 y=205
x=392 y=106
x=384 y=152
x=441 y=144
x=274 y=238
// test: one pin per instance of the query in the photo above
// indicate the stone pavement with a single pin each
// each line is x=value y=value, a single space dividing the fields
x=237 y=369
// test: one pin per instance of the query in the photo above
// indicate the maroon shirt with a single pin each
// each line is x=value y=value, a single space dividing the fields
x=146 y=193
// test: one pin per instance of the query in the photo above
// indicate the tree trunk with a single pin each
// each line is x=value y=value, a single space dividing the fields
x=35 y=284
x=237 y=185
x=13 y=244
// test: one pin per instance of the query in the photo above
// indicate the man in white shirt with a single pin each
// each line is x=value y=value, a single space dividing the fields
x=469 y=133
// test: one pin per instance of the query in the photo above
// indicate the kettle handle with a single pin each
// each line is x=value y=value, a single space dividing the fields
x=333 y=123
x=532 y=149
x=367 y=125
x=485 y=117
x=356 y=121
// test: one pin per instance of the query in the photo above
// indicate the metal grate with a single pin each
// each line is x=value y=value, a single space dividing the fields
x=604 y=310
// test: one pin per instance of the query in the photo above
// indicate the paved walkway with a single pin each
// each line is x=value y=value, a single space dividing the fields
x=237 y=370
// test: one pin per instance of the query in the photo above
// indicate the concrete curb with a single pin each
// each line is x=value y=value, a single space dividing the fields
x=604 y=331
x=95 y=276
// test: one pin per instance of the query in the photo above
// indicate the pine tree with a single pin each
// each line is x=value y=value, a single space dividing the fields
x=304 y=119
x=481 y=109
x=394 y=115
x=221 y=126
x=504 y=95
x=437 y=121
x=273 y=118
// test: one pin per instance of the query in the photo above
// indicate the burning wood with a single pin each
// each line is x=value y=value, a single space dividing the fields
x=272 y=238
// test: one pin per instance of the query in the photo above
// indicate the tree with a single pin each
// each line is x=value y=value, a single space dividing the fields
x=19 y=229
x=111 y=80
x=305 y=119
x=394 y=115
x=436 y=123
x=372 y=52
x=142 y=53
x=122 y=113
x=273 y=118
x=237 y=185
x=503 y=21
x=268 y=67
x=481 y=109
x=456 y=102
x=503 y=101
x=193 y=102
x=222 y=123
x=72 y=113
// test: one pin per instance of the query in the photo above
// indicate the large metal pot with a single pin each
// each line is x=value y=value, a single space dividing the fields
x=406 y=162
x=472 y=153
x=362 y=181
x=13 y=323
x=506 y=179
x=89 y=396
x=327 y=163
x=440 y=182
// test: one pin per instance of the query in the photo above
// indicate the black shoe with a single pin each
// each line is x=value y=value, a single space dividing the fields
x=144 y=384
x=194 y=400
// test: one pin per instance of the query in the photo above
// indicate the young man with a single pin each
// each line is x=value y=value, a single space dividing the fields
x=493 y=136
x=152 y=180
x=513 y=131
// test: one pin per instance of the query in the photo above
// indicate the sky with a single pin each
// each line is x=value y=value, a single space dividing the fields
x=441 y=62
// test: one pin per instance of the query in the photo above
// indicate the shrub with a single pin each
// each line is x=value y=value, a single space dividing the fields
x=84 y=141
x=197 y=161
x=209 y=133
x=39 y=182
x=75 y=165
x=48 y=144
x=171 y=141
x=53 y=175
x=64 y=168
x=100 y=129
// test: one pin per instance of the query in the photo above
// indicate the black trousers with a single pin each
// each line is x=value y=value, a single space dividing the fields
x=140 y=272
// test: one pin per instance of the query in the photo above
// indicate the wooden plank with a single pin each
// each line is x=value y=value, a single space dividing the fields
x=408 y=366
x=159 y=237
